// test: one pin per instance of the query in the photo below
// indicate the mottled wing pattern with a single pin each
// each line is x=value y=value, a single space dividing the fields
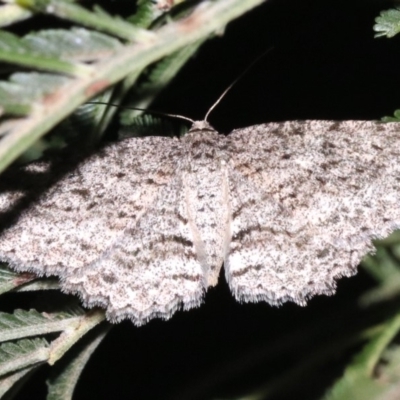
x=142 y=227
x=100 y=207
x=152 y=269
x=307 y=197
x=175 y=250
x=81 y=215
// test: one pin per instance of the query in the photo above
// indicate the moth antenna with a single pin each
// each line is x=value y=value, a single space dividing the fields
x=143 y=109
x=235 y=81
x=181 y=116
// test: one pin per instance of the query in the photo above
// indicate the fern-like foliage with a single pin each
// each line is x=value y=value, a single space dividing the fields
x=388 y=23
x=357 y=381
x=10 y=280
x=19 y=355
x=23 y=323
x=395 y=118
x=65 y=376
x=61 y=95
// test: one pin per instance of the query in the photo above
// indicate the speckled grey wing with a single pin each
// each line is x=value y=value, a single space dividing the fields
x=152 y=269
x=307 y=197
x=73 y=228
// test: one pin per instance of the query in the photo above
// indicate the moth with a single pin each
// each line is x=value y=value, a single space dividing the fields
x=144 y=226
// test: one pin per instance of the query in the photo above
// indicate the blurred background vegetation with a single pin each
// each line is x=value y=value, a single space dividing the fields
x=325 y=64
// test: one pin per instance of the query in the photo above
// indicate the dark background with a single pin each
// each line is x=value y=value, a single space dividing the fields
x=325 y=64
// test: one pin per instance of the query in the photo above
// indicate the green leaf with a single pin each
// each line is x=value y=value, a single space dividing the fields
x=63 y=381
x=388 y=23
x=15 y=381
x=54 y=49
x=70 y=336
x=145 y=14
x=147 y=125
x=23 y=323
x=96 y=19
x=396 y=117
x=357 y=382
x=13 y=50
x=39 y=284
x=11 y=42
x=23 y=353
x=12 y=13
x=24 y=89
x=384 y=267
x=73 y=44
x=10 y=280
